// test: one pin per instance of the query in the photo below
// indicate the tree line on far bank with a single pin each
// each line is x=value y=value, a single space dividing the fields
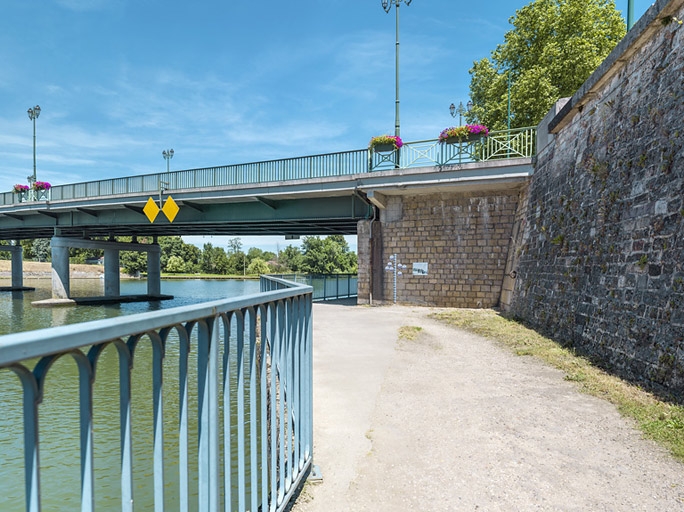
x=329 y=255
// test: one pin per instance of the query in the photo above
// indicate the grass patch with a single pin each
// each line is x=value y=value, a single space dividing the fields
x=409 y=332
x=660 y=421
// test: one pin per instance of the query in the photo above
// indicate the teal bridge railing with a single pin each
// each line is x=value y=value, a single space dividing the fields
x=327 y=286
x=505 y=144
x=252 y=356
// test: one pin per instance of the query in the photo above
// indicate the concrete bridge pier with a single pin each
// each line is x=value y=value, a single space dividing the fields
x=61 y=292
x=17 y=252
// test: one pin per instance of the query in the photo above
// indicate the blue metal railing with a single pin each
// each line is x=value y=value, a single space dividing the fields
x=517 y=143
x=326 y=286
x=254 y=354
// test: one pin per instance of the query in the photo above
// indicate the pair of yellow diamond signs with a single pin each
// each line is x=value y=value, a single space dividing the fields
x=170 y=209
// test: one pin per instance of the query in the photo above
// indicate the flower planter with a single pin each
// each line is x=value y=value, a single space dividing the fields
x=384 y=148
x=22 y=197
x=460 y=140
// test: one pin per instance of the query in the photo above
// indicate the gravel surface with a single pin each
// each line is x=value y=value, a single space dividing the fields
x=452 y=421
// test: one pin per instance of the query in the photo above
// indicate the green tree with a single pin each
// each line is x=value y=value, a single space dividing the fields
x=214 y=260
x=132 y=262
x=176 y=265
x=175 y=246
x=42 y=250
x=327 y=256
x=258 y=266
x=234 y=245
x=553 y=48
x=291 y=258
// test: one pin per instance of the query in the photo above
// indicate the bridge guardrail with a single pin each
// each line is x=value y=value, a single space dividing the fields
x=253 y=359
x=517 y=143
x=326 y=286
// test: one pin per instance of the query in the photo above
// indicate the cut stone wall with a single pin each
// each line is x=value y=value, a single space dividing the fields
x=600 y=262
x=464 y=239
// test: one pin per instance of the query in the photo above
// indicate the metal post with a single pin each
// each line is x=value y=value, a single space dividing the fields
x=396 y=77
x=630 y=14
x=396 y=268
x=508 y=117
x=33 y=114
x=387 y=5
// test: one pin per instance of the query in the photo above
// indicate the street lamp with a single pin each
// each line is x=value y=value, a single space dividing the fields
x=396 y=268
x=387 y=6
x=168 y=155
x=33 y=114
x=630 y=14
x=460 y=110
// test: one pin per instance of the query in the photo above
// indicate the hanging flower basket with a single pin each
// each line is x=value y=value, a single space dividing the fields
x=385 y=143
x=41 y=185
x=22 y=192
x=461 y=134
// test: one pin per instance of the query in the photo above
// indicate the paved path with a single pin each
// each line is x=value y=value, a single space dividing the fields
x=453 y=422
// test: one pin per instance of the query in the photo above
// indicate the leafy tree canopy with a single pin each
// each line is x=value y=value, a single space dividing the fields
x=330 y=255
x=553 y=48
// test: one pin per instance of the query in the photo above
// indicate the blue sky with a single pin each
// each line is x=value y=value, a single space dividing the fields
x=226 y=82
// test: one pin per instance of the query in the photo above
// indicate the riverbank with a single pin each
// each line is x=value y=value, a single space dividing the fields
x=43 y=270
x=38 y=269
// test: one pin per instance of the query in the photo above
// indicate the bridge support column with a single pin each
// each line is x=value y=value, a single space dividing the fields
x=60 y=268
x=369 y=244
x=16 y=252
x=154 y=270
x=112 y=284
x=17 y=265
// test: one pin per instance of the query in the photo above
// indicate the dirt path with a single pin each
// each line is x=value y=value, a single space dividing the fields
x=453 y=422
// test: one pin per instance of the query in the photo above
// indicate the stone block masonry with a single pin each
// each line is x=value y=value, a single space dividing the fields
x=463 y=237
x=600 y=260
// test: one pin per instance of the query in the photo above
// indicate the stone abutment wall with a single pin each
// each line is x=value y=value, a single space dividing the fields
x=462 y=238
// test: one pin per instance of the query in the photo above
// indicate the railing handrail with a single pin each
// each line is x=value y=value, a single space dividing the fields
x=53 y=340
x=268 y=334
x=320 y=282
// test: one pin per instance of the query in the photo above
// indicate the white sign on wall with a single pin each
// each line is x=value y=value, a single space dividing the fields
x=420 y=269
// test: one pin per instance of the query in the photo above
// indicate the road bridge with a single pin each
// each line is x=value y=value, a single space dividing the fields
x=312 y=195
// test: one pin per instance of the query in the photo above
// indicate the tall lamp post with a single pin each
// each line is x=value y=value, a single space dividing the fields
x=630 y=14
x=387 y=6
x=33 y=114
x=460 y=110
x=168 y=155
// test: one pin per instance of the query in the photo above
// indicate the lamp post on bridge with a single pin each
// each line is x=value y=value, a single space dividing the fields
x=168 y=155
x=387 y=6
x=460 y=110
x=630 y=14
x=33 y=114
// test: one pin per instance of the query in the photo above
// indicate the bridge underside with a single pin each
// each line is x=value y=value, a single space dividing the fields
x=259 y=216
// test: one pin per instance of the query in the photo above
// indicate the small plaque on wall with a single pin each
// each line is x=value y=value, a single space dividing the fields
x=420 y=269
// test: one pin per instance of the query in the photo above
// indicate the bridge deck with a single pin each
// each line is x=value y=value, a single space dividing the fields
x=320 y=194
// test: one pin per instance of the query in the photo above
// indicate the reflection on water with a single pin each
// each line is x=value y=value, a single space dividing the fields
x=59 y=424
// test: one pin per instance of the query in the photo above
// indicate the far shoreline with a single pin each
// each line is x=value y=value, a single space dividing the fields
x=43 y=270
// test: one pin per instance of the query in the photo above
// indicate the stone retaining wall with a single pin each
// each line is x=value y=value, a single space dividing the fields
x=600 y=263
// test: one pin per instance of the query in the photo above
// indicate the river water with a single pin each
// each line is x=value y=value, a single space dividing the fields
x=60 y=462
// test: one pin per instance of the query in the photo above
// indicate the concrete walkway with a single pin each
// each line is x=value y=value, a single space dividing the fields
x=453 y=422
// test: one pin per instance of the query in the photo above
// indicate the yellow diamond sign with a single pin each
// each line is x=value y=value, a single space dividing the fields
x=151 y=210
x=170 y=209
